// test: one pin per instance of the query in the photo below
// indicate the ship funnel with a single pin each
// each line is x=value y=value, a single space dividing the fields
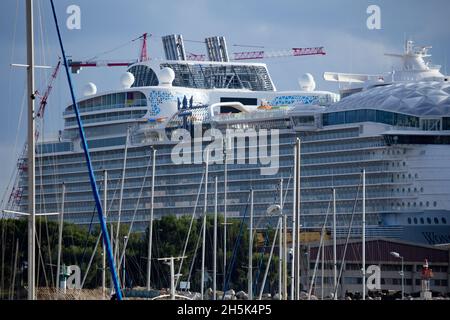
x=174 y=47
x=217 y=49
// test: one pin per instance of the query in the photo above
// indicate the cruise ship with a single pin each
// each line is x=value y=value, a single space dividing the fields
x=395 y=126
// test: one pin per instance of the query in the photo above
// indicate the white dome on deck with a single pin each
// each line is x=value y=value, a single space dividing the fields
x=424 y=98
x=89 y=89
x=127 y=80
x=166 y=76
x=307 y=82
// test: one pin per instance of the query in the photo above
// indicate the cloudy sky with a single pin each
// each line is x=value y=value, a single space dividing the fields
x=338 y=25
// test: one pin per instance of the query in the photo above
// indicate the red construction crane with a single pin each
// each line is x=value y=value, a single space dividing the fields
x=256 y=55
x=294 y=52
x=44 y=98
x=143 y=56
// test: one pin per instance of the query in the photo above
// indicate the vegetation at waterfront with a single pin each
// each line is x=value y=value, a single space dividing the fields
x=169 y=236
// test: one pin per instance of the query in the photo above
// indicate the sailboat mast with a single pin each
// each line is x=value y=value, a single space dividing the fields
x=364 y=235
x=61 y=225
x=105 y=205
x=280 y=245
x=225 y=190
x=297 y=254
x=250 y=250
x=294 y=226
x=31 y=155
x=205 y=208
x=334 y=244
x=150 y=227
x=215 y=243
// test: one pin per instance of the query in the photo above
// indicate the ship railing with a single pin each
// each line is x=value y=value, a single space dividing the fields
x=253 y=115
x=136 y=103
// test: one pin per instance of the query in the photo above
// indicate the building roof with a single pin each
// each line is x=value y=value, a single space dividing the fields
x=425 y=98
x=378 y=250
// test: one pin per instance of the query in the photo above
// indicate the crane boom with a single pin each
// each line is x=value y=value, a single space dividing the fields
x=47 y=92
x=261 y=54
x=77 y=65
x=294 y=52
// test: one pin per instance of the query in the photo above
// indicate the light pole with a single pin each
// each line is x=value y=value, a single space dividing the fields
x=402 y=273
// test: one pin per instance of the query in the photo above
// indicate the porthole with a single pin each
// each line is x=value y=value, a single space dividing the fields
x=435 y=204
x=428 y=203
x=415 y=220
x=436 y=220
x=422 y=221
x=444 y=221
x=429 y=220
x=409 y=220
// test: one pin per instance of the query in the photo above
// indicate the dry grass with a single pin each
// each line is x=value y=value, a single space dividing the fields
x=70 y=294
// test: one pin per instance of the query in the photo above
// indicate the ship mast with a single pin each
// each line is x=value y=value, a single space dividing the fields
x=31 y=155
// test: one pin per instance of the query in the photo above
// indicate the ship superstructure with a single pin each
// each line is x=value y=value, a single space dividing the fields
x=397 y=128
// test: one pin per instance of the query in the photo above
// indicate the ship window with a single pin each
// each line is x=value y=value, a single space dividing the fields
x=244 y=101
x=428 y=203
x=421 y=189
x=431 y=124
x=422 y=221
x=429 y=220
x=446 y=123
x=444 y=221
x=434 y=204
x=409 y=220
x=421 y=204
x=415 y=220
x=436 y=220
